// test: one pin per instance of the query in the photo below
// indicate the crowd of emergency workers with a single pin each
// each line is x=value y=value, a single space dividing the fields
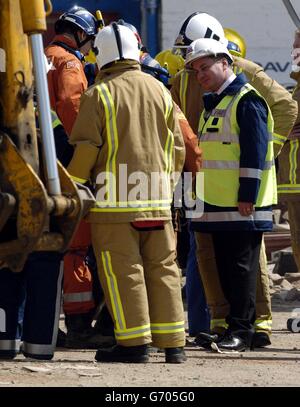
x=200 y=115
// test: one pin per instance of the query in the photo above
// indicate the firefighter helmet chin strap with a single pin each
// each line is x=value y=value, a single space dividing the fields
x=78 y=42
x=118 y=39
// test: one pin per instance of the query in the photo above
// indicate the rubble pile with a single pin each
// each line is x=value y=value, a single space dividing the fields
x=284 y=279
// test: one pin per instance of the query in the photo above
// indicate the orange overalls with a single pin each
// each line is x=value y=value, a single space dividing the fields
x=67 y=82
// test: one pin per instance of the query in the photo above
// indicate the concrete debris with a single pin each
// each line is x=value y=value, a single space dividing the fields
x=280 y=295
x=88 y=374
x=281 y=227
x=293 y=295
x=276 y=278
x=284 y=261
x=291 y=277
x=37 y=369
x=286 y=285
x=287 y=295
x=277 y=254
x=270 y=267
x=75 y=367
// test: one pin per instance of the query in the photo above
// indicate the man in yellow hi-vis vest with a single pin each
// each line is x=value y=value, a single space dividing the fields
x=127 y=132
x=188 y=95
x=239 y=183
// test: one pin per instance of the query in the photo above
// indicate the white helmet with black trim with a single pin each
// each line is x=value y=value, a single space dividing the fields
x=115 y=43
x=199 y=25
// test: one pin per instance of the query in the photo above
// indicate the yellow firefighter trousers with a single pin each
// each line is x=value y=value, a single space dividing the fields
x=218 y=305
x=294 y=221
x=141 y=283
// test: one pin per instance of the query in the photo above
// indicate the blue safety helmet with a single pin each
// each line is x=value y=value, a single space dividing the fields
x=80 y=18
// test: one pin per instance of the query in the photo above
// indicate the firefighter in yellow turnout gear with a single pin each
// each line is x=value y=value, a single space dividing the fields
x=127 y=129
x=188 y=94
x=289 y=163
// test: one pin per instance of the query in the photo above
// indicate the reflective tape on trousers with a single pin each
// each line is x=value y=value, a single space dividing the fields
x=78 y=297
x=235 y=217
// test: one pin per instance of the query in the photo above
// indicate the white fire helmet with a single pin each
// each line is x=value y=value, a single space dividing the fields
x=116 y=43
x=205 y=47
x=199 y=25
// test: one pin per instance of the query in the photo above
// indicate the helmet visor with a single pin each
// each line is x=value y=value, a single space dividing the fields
x=180 y=50
x=234 y=49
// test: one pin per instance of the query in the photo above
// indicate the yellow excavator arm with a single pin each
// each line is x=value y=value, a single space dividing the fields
x=40 y=206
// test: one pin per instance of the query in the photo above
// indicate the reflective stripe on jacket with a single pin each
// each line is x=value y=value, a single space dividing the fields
x=55 y=120
x=289 y=159
x=128 y=125
x=221 y=164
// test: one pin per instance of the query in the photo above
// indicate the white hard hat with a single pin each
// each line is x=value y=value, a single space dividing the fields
x=116 y=43
x=205 y=47
x=199 y=25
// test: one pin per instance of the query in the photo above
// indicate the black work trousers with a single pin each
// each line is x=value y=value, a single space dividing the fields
x=237 y=259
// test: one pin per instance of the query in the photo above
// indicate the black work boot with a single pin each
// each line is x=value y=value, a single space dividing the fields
x=205 y=339
x=175 y=355
x=78 y=322
x=104 y=324
x=260 y=340
x=61 y=339
x=81 y=335
x=232 y=343
x=123 y=354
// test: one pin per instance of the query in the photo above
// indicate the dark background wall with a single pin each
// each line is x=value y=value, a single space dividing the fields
x=111 y=10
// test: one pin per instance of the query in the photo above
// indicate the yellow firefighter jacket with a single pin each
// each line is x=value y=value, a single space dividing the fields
x=283 y=107
x=129 y=144
x=187 y=93
x=289 y=159
x=295 y=133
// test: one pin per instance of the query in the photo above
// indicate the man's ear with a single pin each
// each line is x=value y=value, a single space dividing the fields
x=225 y=63
x=81 y=35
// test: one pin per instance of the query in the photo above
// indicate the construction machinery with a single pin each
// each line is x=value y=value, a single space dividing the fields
x=40 y=206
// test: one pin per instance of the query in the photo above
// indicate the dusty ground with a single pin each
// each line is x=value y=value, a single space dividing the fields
x=277 y=365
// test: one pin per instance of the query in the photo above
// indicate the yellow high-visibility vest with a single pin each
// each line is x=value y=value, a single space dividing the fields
x=219 y=137
x=55 y=120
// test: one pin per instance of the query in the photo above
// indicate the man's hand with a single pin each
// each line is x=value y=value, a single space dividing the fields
x=246 y=208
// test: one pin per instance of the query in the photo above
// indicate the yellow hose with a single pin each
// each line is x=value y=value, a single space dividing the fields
x=48 y=7
x=100 y=19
